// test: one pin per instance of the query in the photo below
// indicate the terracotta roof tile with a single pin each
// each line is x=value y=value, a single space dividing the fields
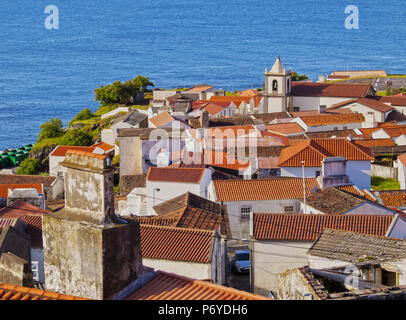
x=313 y=151
x=60 y=151
x=179 y=244
x=314 y=89
x=271 y=226
x=250 y=93
x=104 y=146
x=369 y=143
x=20 y=209
x=183 y=175
x=393 y=198
x=322 y=120
x=161 y=119
x=237 y=100
x=289 y=128
x=4 y=188
x=166 y=286
x=26 y=179
x=200 y=88
x=369 y=102
x=10 y=292
x=191 y=211
x=262 y=189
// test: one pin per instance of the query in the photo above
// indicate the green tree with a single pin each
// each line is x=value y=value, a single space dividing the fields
x=29 y=166
x=143 y=82
x=85 y=114
x=51 y=129
x=76 y=137
x=297 y=77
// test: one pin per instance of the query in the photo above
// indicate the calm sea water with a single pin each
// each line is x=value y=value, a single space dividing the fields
x=47 y=73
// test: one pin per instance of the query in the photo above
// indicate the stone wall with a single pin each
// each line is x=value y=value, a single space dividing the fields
x=88 y=260
x=15 y=271
x=128 y=183
x=384 y=171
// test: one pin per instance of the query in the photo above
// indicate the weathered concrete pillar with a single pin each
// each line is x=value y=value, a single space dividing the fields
x=88 y=251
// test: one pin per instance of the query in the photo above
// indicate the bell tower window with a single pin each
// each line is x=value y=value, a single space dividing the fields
x=275 y=85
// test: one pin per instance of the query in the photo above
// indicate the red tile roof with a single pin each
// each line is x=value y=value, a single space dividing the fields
x=262 y=189
x=178 y=244
x=20 y=209
x=166 y=286
x=183 y=175
x=60 y=151
x=329 y=119
x=369 y=143
x=237 y=100
x=10 y=292
x=370 y=102
x=4 y=188
x=161 y=119
x=26 y=179
x=213 y=108
x=313 y=151
x=200 y=88
x=104 y=146
x=272 y=226
x=314 y=89
x=250 y=93
x=394 y=100
x=288 y=128
x=402 y=158
x=393 y=198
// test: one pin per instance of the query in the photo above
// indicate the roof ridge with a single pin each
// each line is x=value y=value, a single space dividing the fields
x=184 y=230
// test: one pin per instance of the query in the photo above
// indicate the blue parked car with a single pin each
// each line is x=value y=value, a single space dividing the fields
x=241 y=261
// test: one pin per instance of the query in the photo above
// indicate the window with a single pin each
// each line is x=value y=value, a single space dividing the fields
x=345 y=128
x=288 y=209
x=245 y=212
x=296 y=109
x=35 y=270
x=318 y=173
x=275 y=85
x=335 y=128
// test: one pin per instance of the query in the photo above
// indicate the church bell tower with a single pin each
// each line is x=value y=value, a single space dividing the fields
x=278 y=88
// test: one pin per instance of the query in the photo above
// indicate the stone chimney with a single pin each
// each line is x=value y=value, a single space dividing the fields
x=204 y=119
x=333 y=173
x=322 y=109
x=89 y=251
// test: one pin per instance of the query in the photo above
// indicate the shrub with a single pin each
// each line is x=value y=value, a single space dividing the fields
x=29 y=166
x=51 y=129
x=85 y=114
x=76 y=137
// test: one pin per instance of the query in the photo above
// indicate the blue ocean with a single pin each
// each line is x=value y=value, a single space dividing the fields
x=47 y=73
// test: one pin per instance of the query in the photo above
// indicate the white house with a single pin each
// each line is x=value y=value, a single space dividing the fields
x=166 y=183
x=401 y=161
x=331 y=122
x=366 y=106
x=198 y=254
x=278 y=195
x=281 y=241
x=308 y=156
x=58 y=155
